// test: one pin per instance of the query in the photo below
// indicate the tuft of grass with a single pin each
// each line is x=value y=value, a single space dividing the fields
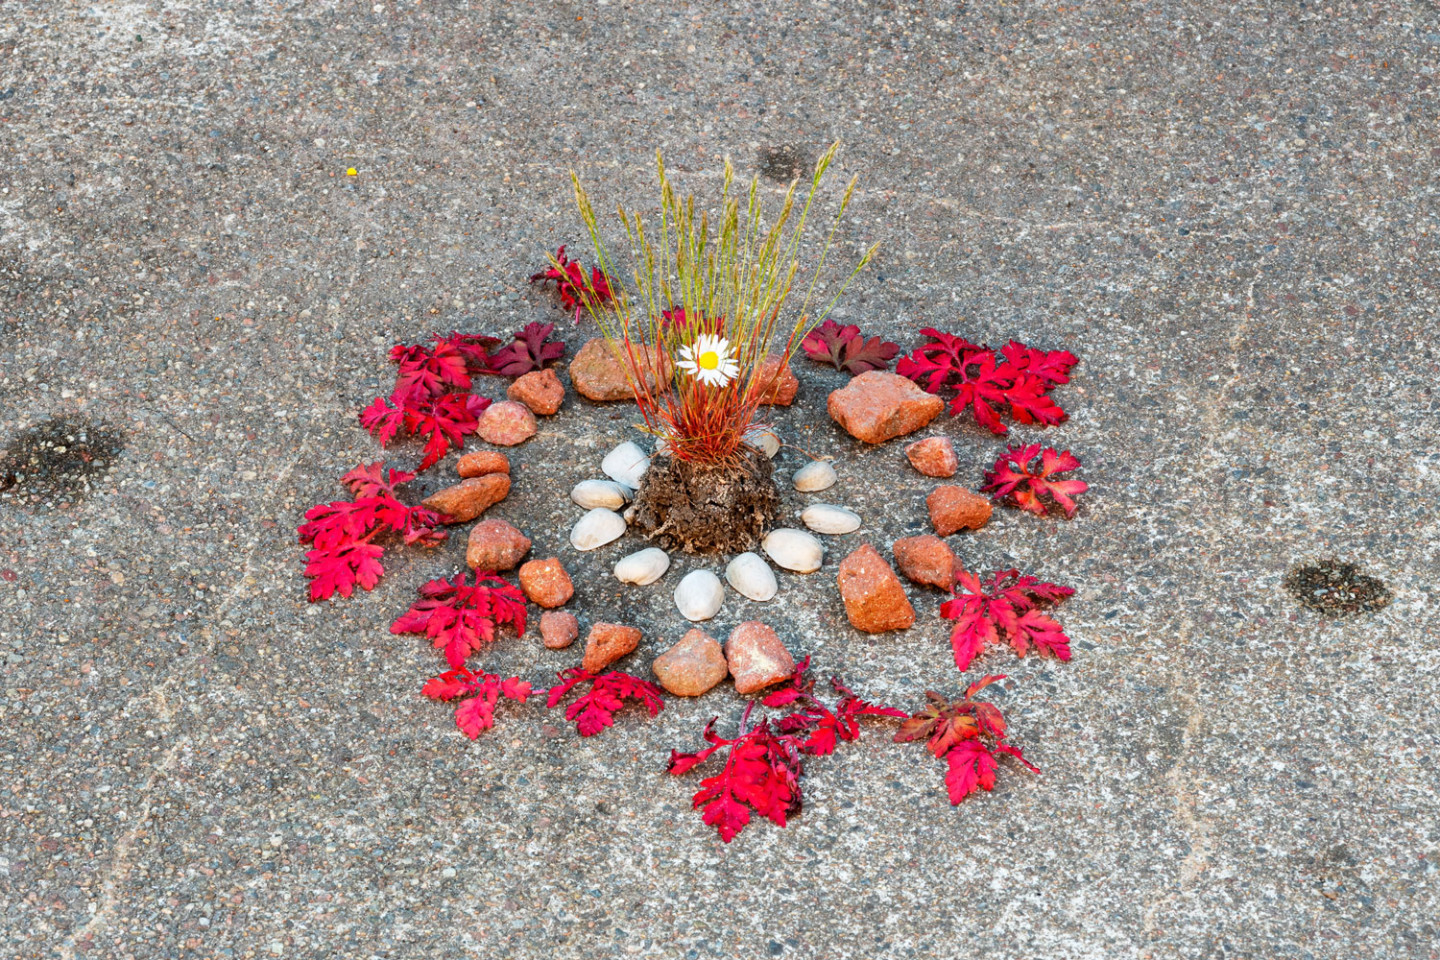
x=737 y=274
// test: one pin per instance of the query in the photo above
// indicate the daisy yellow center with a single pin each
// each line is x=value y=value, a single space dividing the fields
x=708 y=360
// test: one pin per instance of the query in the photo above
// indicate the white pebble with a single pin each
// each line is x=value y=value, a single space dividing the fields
x=828 y=518
x=794 y=549
x=819 y=475
x=763 y=438
x=699 y=595
x=597 y=528
x=626 y=464
x=643 y=566
x=751 y=577
x=601 y=493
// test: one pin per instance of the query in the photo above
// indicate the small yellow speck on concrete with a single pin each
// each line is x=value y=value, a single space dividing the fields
x=352 y=172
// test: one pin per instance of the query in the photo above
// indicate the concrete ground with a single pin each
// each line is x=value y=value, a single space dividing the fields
x=1228 y=211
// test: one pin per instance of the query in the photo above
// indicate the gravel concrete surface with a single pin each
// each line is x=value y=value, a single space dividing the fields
x=1227 y=211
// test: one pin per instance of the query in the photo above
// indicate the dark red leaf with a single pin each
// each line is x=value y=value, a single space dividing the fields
x=530 y=351
x=1004 y=608
x=845 y=348
x=1017 y=379
x=576 y=294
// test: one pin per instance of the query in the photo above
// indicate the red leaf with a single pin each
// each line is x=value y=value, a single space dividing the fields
x=1015 y=479
x=430 y=371
x=595 y=710
x=477 y=714
x=1004 y=608
x=845 y=348
x=972 y=767
x=1018 y=377
x=969 y=735
x=530 y=351
x=575 y=293
x=761 y=775
x=460 y=617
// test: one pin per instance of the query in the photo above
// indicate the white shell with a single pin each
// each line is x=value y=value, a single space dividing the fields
x=643 y=566
x=765 y=439
x=601 y=493
x=662 y=447
x=794 y=550
x=828 y=518
x=626 y=464
x=751 y=577
x=819 y=475
x=597 y=528
x=699 y=595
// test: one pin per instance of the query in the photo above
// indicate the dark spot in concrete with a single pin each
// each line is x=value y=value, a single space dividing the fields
x=785 y=163
x=1333 y=588
x=58 y=460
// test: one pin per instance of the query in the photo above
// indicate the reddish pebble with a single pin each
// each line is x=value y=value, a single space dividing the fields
x=928 y=560
x=506 y=423
x=876 y=406
x=495 y=545
x=875 y=600
x=934 y=457
x=599 y=371
x=778 y=382
x=469 y=498
x=756 y=657
x=540 y=390
x=558 y=629
x=545 y=582
x=955 y=508
x=692 y=666
x=481 y=462
x=607 y=643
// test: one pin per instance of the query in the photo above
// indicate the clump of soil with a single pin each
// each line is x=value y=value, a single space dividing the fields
x=58 y=459
x=702 y=508
x=1332 y=588
x=782 y=164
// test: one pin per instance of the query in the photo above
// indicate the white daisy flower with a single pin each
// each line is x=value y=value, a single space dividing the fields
x=708 y=359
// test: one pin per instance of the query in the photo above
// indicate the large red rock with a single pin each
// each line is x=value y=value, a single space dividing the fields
x=692 y=666
x=558 y=629
x=545 y=582
x=469 y=498
x=606 y=643
x=540 y=390
x=598 y=370
x=955 y=508
x=874 y=598
x=481 y=462
x=928 y=560
x=877 y=406
x=779 y=383
x=934 y=457
x=756 y=657
x=495 y=545
x=506 y=423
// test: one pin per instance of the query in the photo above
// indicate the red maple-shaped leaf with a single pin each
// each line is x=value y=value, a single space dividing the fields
x=442 y=420
x=460 y=616
x=430 y=371
x=576 y=292
x=1016 y=380
x=822 y=727
x=342 y=555
x=596 y=708
x=845 y=348
x=474 y=347
x=480 y=690
x=531 y=350
x=969 y=735
x=1004 y=608
x=761 y=775
x=1017 y=479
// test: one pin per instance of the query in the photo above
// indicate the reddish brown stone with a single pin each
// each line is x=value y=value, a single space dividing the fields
x=540 y=390
x=468 y=499
x=877 y=406
x=756 y=657
x=955 y=508
x=558 y=629
x=781 y=380
x=598 y=371
x=495 y=545
x=934 y=457
x=874 y=598
x=927 y=560
x=481 y=462
x=607 y=643
x=506 y=423
x=692 y=666
x=545 y=582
